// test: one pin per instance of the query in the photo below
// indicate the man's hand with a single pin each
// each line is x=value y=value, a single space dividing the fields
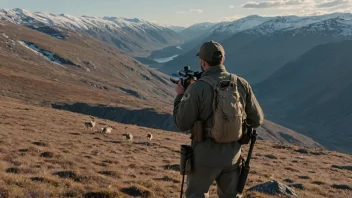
x=179 y=88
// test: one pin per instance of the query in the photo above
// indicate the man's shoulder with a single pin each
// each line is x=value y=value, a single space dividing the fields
x=243 y=82
x=200 y=85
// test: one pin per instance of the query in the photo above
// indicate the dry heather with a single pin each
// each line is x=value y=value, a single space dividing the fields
x=48 y=153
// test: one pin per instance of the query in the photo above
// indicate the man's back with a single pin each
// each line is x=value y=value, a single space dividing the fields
x=196 y=104
x=200 y=105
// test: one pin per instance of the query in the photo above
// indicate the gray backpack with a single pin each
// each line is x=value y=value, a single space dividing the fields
x=227 y=110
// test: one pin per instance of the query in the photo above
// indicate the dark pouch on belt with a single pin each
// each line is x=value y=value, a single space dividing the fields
x=197 y=131
x=186 y=160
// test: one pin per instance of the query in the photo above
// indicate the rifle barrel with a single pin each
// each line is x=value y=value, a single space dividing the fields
x=246 y=167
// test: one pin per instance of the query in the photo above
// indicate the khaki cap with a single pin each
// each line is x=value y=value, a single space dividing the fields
x=208 y=49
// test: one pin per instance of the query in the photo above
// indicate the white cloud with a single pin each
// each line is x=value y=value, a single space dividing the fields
x=199 y=11
x=272 y=4
x=231 y=6
x=196 y=10
x=333 y=3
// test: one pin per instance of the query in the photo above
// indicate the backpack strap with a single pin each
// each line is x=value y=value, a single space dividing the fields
x=211 y=81
x=234 y=79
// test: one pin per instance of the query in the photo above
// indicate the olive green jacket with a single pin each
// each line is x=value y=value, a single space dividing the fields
x=196 y=104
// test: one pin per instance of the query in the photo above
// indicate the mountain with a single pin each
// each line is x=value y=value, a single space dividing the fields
x=257 y=57
x=196 y=30
x=224 y=30
x=134 y=36
x=176 y=28
x=287 y=23
x=257 y=52
x=312 y=95
x=218 y=31
x=85 y=75
x=44 y=70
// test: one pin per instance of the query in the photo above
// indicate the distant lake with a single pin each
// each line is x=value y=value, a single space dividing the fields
x=165 y=60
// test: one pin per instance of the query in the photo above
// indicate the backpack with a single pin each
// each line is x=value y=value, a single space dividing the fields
x=227 y=110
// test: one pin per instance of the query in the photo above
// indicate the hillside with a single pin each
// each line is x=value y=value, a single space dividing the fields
x=313 y=95
x=56 y=157
x=133 y=36
x=38 y=68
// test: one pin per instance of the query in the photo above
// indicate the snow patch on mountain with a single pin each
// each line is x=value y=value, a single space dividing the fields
x=287 y=23
x=241 y=24
x=48 y=55
x=338 y=27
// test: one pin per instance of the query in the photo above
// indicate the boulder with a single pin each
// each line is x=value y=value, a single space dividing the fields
x=274 y=188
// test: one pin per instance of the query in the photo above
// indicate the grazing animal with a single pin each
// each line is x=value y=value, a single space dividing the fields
x=129 y=137
x=150 y=136
x=90 y=124
x=106 y=130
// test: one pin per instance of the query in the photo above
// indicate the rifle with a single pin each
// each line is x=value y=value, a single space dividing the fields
x=245 y=167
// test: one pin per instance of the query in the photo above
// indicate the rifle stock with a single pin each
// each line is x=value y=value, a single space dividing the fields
x=246 y=167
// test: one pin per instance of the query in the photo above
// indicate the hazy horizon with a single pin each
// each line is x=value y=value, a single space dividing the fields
x=182 y=13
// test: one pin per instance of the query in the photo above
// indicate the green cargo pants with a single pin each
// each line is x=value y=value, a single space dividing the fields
x=214 y=162
x=202 y=178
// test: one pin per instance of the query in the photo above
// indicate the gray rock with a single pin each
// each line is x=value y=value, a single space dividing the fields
x=274 y=188
x=304 y=177
x=288 y=180
x=303 y=151
x=342 y=186
x=342 y=167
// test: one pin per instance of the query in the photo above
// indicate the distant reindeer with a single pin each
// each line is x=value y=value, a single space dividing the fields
x=90 y=125
x=107 y=130
x=129 y=137
x=150 y=136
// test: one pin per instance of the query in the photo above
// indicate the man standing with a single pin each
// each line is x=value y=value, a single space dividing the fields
x=213 y=161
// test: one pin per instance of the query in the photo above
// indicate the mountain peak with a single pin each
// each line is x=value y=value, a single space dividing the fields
x=135 y=20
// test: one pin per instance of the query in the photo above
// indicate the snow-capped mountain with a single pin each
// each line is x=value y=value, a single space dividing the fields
x=196 y=30
x=337 y=27
x=175 y=28
x=240 y=24
x=131 y=35
x=287 y=23
x=257 y=52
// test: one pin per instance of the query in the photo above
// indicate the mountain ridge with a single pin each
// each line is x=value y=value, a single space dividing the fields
x=326 y=82
x=133 y=36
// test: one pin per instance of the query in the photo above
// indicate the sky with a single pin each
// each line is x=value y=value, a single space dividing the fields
x=182 y=12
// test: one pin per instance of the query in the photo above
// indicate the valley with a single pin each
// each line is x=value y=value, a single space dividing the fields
x=58 y=71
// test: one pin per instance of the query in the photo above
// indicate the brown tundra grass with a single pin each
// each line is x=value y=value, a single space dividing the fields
x=48 y=153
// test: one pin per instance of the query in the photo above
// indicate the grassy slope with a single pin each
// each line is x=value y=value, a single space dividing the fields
x=131 y=168
x=22 y=71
